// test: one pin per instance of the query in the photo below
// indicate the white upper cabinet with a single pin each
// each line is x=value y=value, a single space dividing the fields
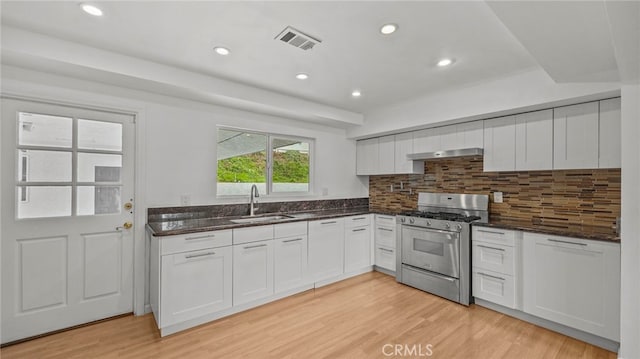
x=386 y=155
x=449 y=139
x=575 y=137
x=500 y=144
x=534 y=140
x=367 y=156
x=470 y=134
x=404 y=146
x=427 y=140
x=610 y=134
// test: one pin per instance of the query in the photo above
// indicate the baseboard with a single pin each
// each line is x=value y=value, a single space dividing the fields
x=327 y=281
x=147 y=309
x=385 y=271
x=598 y=341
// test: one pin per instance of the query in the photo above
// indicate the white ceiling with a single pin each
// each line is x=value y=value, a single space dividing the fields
x=571 y=42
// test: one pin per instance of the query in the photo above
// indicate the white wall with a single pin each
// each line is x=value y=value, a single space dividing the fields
x=630 y=242
x=180 y=139
x=526 y=91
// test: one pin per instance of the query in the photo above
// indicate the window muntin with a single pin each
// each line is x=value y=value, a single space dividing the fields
x=67 y=166
x=243 y=160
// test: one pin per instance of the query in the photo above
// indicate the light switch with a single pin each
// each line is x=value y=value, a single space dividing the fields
x=497 y=197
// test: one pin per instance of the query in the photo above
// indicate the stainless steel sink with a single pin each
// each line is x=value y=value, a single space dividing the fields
x=260 y=219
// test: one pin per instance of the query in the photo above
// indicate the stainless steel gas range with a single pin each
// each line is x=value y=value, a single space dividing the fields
x=434 y=243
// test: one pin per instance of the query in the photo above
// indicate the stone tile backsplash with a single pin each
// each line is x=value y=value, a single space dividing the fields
x=588 y=197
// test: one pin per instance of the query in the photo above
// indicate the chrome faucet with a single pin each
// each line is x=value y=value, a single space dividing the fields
x=254 y=195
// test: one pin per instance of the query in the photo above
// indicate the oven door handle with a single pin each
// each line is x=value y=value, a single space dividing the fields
x=423 y=229
x=432 y=274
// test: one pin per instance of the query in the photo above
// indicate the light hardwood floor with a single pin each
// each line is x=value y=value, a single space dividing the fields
x=355 y=318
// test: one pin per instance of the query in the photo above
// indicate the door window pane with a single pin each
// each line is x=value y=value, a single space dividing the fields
x=290 y=165
x=98 y=200
x=242 y=162
x=44 y=201
x=94 y=167
x=44 y=166
x=99 y=135
x=44 y=130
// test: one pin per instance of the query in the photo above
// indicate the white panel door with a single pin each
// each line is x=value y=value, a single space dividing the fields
x=367 y=156
x=252 y=271
x=471 y=134
x=427 y=140
x=357 y=248
x=449 y=139
x=575 y=136
x=67 y=259
x=326 y=248
x=386 y=155
x=610 y=134
x=500 y=144
x=534 y=140
x=404 y=146
x=291 y=264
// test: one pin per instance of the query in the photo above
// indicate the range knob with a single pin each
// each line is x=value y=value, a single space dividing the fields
x=411 y=220
x=402 y=219
x=447 y=225
x=459 y=227
x=428 y=223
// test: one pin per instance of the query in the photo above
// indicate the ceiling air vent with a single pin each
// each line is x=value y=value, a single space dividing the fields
x=297 y=38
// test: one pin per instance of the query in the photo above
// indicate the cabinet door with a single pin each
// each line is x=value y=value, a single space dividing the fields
x=427 y=140
x=385 y=236
x=575 y=136
x=493 y=257
x=494 y=287
x=404 y=146
x=194 y=284
x=386 y=155
x=471 y=134
x=290 y=256
x=252 y=271
x=573 y=282
x=610 y=134
x=326 y=248
x=500 y=144
x=449 y=139
x=534 y=140
x=385 y=257
x=367 y=156
x=357 y=249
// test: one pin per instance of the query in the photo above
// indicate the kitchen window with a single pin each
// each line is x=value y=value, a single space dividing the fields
x=277 y=164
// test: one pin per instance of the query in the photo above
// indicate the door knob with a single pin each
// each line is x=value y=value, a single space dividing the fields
x=128 y=206
x=125 y=225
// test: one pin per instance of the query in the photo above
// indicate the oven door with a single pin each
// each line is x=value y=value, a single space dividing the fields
x=434 y=250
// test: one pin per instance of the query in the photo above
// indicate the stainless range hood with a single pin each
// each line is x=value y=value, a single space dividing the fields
x=446 y=154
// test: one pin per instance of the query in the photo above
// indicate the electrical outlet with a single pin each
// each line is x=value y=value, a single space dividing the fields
x=497 y=197
x=185 y=199
x=325 y=191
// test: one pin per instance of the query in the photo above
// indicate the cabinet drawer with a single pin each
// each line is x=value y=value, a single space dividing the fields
x=494 y=235
x=252 y=234
x=195 y=241
x=385 y=258
x=385 y=220
x=494 y=287
x=357 y=221
x=494 y=257
x=385 y=236
x=290 y=229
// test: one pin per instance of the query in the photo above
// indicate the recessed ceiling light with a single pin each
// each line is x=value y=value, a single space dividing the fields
x=445 y=62
x=356 y=93
x=91 y=9
x=221 y=50
x=302 y=76
x=387 y=29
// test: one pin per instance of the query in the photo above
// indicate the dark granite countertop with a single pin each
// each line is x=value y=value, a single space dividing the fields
x=559 y=229
x=184 y=226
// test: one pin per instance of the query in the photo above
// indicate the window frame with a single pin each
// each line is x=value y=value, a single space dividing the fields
x=269 y=163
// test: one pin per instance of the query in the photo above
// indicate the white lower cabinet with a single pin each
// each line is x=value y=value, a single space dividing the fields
x=495 y=266
x=326 y=248
x=291 y=265
x=357 y=248
x=195 y=283
x=385 y=258
x=252 y=271
x=190 y=276
x=574 y=282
